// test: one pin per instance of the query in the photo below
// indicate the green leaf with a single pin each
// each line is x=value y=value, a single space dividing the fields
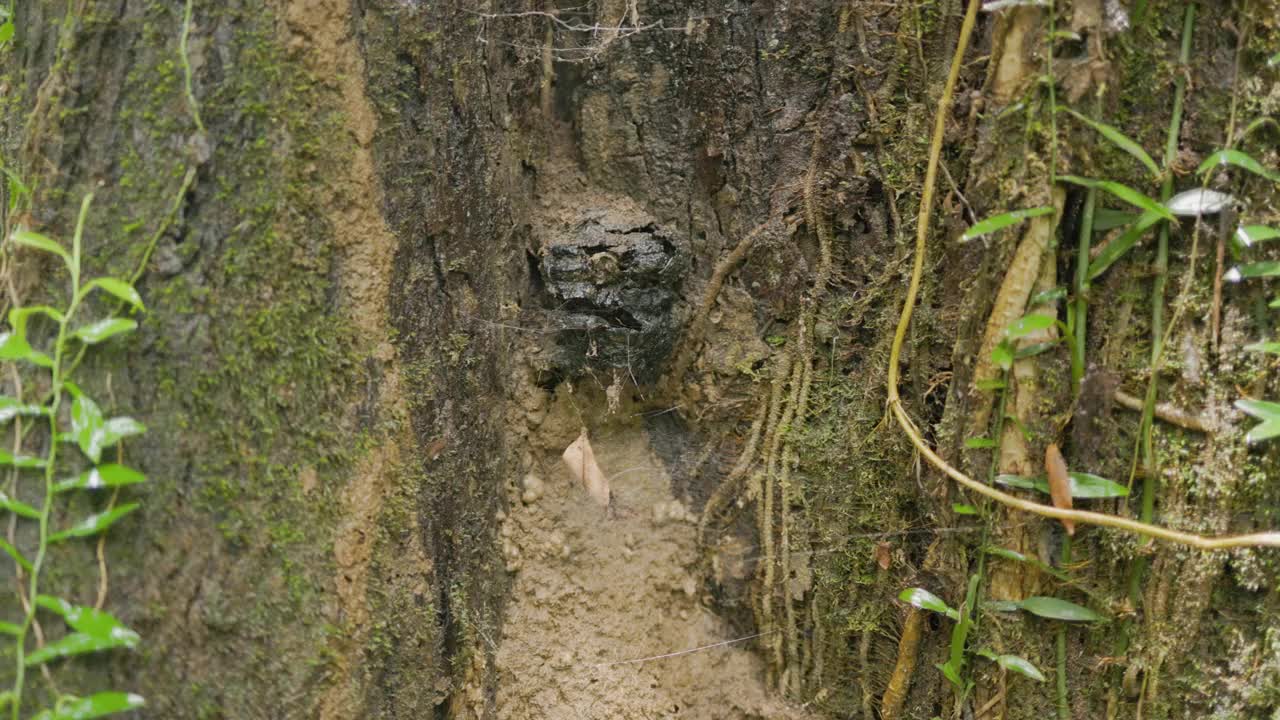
x=94 y=524
x=926 y=600
x=11 y=408
x=1015 y=663
x=1002 y=355
x=1036 y=349
x=1048 y=296
x=1007 y=606
x=1266 y=347
x=90 y=621
x=1199 y=201
x=979 y=443
x=1267 y=412
x=1240 y=160
x=1274 y=61
x=1004 y=220
x=12 y=552
x=1261 y=409
x=1083 y=485
x=17 y=507
x=992 y=384
x=78 y=644
x=95 y=706
x=1057 y=609
x=1263 y=431
x=103 y=329
x=8 y=628
x=6 y=32
x=959 y=509
x=35 y=240
x=120 y=289
x=1254 y=270
x=119 y=428
x=88 y=427
x=1016 y=556
x=1119 y=246
x=1120 y=140
x=14 y=346
x=1124 y=192
x=1248 y=235
x=1105 y=219
x=1086 y=485
x=24 y=462
x=103 y=476
x=1029 y=324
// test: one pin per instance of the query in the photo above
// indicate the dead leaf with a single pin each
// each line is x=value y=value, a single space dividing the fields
x=1059 y=482
x=582 y=463
x=883 y=556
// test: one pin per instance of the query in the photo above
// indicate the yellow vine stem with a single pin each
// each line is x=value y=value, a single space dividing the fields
x=1268 y=539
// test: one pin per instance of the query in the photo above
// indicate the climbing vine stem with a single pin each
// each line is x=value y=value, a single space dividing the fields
x=894 y=400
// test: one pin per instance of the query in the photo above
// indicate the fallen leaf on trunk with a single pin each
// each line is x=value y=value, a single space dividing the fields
x=1055 y=468
x=582 y=463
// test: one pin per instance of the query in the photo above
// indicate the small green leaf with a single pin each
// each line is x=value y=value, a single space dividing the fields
x=88 y=427
x=1083 y=485
x=1004 y=220
x=1251 y=234
x=95 y=706
x=103 y=329
x=94 y=524
x=1240 y=160
x=1105 y=219
x=1266 y=347
x=926 y=600
x=1057 y=609
x=25 y=462
x=1124 y=192
x=1267 y=412
x=6 y=32
x=120 y=289
x=1086 y=485
x=14 y=346
x=1263 y=431
x=1120 y=140
x=1016 y=664
x=1007 y=606
x=1274 y=61
x=959 y=509
x=1255 y=270
x=90 y=621
x=79 y=644
x=1016 y=556
x=989 y=385
x=11 y=408
x=979 y=443
x=1048 y=296
x=17 y=507
x=1029 y=324
x=1033 y=350
x=1002 y=355
x=8 y=628
x=12 y=552
x=1119 y=246
x=103 y=476
x=35 y=240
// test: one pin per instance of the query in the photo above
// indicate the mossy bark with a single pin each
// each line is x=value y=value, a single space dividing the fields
x=273 y=383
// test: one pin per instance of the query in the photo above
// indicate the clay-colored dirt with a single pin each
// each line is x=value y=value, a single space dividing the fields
x=596 y=591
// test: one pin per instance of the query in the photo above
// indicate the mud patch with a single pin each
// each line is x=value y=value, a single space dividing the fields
x=600 y=594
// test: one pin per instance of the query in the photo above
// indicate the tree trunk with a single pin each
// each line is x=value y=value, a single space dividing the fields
x=397 y=255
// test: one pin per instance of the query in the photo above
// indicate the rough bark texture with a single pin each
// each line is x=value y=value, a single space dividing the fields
x=356 y=343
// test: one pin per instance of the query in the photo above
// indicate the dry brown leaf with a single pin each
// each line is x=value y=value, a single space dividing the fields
x=582 y=463
x=1059 y=483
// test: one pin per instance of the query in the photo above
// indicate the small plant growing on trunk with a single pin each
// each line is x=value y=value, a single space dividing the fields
x=75 y=434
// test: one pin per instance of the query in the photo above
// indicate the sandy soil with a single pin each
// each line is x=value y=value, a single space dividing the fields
x=596 y=591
